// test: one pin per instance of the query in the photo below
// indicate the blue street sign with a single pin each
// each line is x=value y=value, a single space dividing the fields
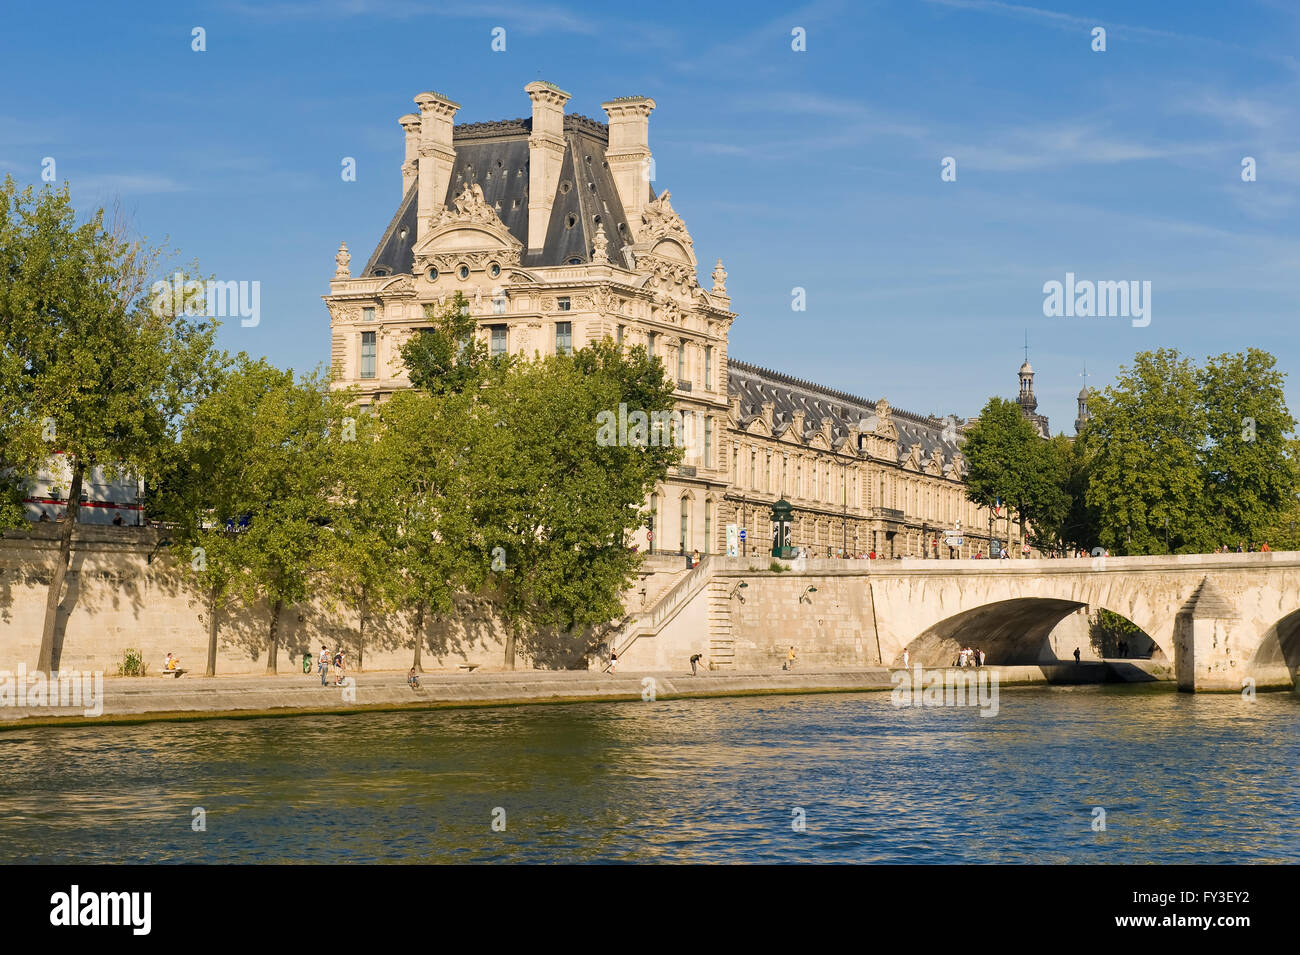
x=742 y=533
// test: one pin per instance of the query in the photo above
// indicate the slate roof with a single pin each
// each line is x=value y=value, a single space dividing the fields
x=755 y=385
x=495 y=155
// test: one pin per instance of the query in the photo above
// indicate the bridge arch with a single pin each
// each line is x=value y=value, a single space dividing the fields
x=1279 y=646
x=1011 y=632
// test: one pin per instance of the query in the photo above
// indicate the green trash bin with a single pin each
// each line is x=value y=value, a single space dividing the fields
x=306 y=663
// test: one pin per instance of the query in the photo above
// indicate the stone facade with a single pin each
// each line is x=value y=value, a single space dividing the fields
x=550 y=227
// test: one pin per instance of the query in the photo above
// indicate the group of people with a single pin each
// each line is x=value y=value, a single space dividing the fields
x=335 y=665
x=969 y=657
x=1244 y=548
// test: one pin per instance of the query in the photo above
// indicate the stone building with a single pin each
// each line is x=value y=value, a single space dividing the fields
x=552 y=229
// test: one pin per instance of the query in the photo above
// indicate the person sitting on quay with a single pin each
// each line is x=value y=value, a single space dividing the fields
x=413 y=679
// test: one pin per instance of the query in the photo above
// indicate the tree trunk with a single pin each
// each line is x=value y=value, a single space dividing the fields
x=52 y=633
x=361 y=630
x=273 y=644
x=212 y=633
x=510 y=648
x=419 y=637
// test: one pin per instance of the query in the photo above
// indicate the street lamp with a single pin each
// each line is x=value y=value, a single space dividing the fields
x=804 y=598
x=735 y=591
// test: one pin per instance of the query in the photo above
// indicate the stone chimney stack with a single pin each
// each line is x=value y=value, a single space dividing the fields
x=411 y=161
x=629 y=152
x=437 y=155
x=545 y=156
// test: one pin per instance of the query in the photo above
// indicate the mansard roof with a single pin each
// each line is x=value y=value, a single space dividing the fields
x=755 y=385
x=495 y=155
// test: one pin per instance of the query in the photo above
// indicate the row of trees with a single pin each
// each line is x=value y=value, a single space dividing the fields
x=275 y=488
x=1176 y=458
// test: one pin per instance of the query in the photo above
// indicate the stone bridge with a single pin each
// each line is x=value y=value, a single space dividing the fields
x=1219 y=618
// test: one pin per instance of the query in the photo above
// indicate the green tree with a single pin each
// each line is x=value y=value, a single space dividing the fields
x=107 y=368
x=448 y=356
x=361 y=566
x=1248 y=480
x=558 y=502
x=418 y=436
x=257 y=486
x=1006 y=462
x=1143 y=447
x=1048 y=501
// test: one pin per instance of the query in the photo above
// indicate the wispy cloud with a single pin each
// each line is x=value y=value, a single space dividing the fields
x=526 y=17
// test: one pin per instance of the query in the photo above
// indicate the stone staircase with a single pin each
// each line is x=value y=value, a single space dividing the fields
x=722 y=642
x=651 y=621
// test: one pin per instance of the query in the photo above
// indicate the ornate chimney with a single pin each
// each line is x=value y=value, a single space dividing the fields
x=629 y=152
x=437 y=156
x=411 y=160
x=545 y=156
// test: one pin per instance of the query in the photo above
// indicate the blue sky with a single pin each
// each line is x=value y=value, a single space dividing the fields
x=817 y=169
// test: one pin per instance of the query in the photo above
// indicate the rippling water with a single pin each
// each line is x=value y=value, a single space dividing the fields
x=1182 y=779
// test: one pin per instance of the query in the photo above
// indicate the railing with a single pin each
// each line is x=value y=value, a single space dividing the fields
x=667 y=607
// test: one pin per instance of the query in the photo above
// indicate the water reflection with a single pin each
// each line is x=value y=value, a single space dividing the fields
x=1182 y=779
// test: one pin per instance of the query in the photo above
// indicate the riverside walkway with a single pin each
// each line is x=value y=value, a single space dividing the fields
x=189 y=697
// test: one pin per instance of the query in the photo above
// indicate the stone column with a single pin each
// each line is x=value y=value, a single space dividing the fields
x=1206 y=655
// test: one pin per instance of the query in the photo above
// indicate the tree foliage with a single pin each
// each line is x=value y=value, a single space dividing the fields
x=91 y=365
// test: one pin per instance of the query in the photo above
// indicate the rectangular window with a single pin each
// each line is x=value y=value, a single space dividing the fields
x=681 y=362
x=367 y=314
x=708 y=525
x=564 y=338
x=619 y=337
x=367 y=354
x=562 y=303
x=708 y=444
x=650 y=344
x=498 y=346
x=498 y=303
x=798 y=479
x=708 y=366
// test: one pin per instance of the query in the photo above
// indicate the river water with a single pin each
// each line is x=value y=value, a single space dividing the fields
x=1181 y=778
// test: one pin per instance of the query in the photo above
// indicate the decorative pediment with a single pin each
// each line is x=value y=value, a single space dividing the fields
x=884 y=422
x=397 y=287
x=935 y=464
x=913 y=460
x=470 y=226
x=664 y=234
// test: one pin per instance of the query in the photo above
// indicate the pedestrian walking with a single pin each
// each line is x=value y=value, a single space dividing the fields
x=789 y=660
x=1076 y=655
x=613 y=662
x=323 y=664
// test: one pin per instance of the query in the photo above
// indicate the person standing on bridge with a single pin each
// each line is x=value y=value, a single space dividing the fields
x=1076 y=654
